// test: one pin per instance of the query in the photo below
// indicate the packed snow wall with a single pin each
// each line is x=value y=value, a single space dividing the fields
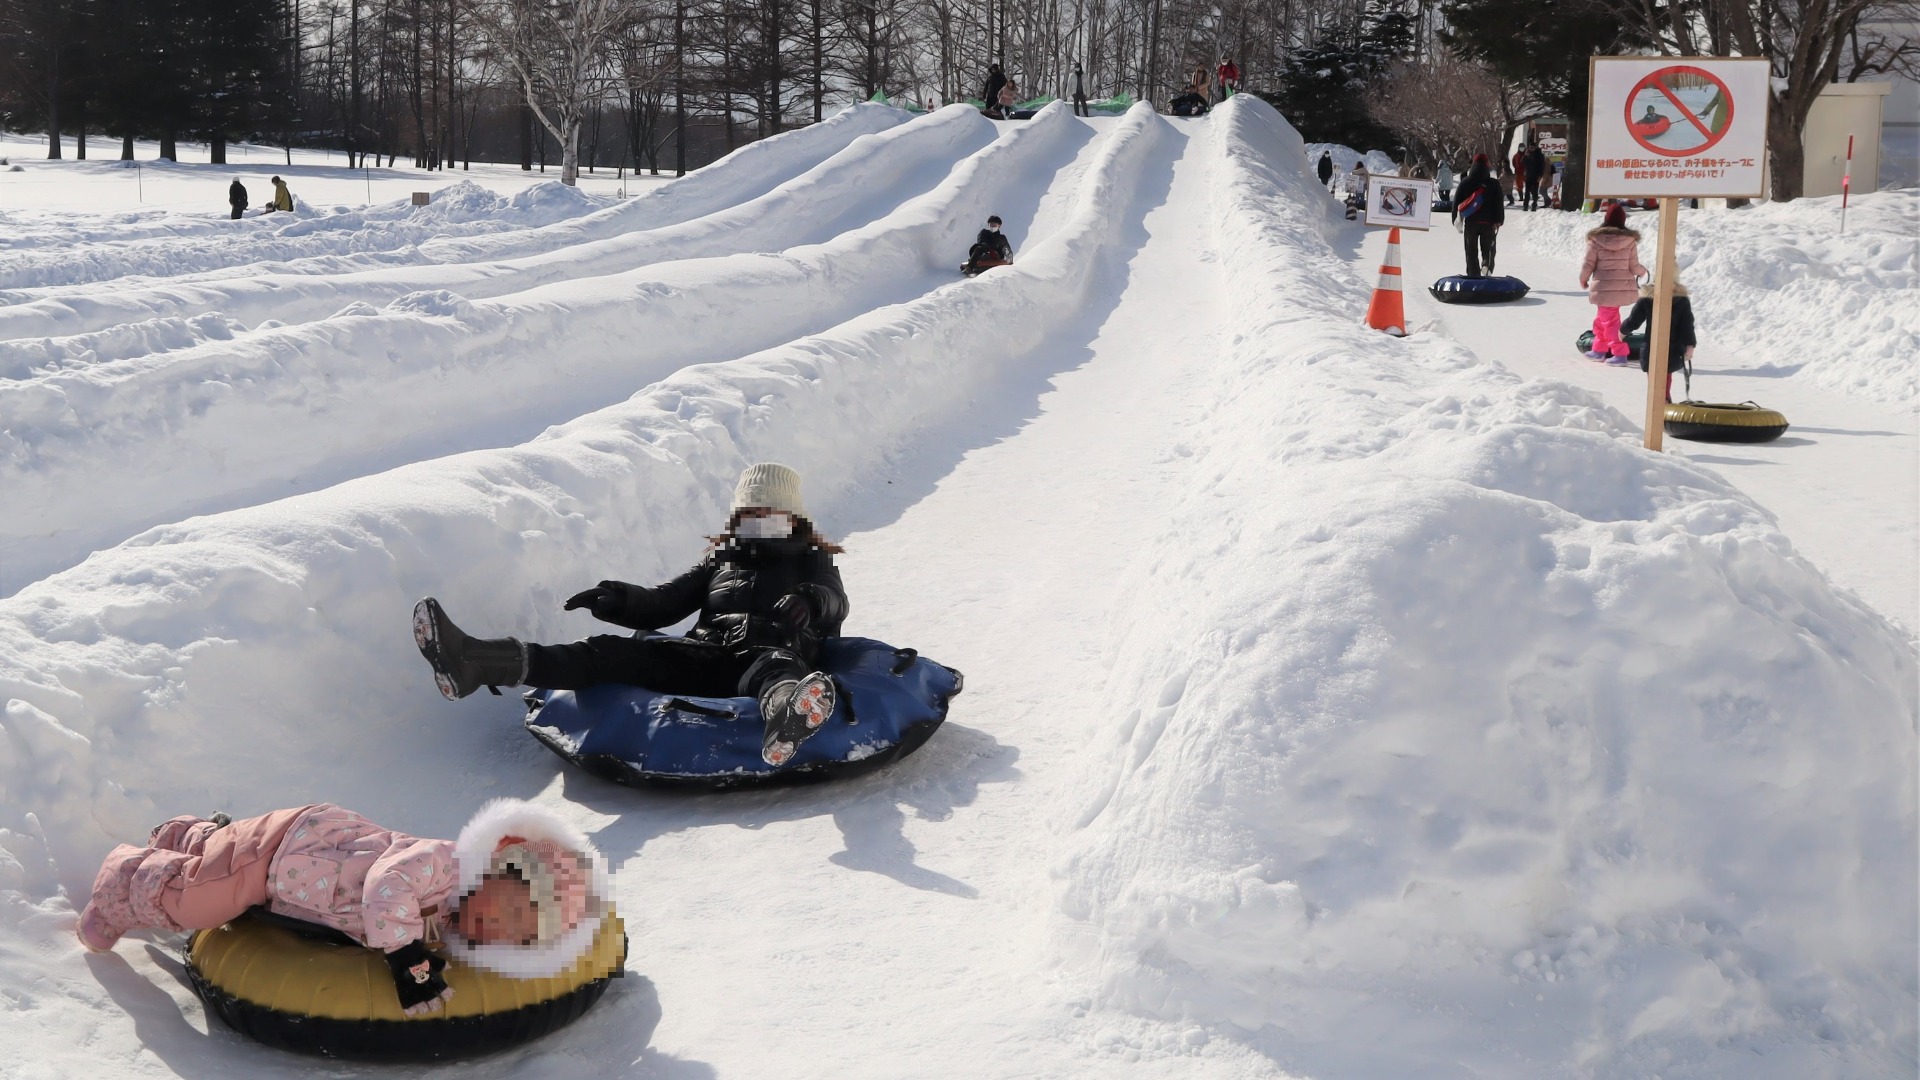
x=1464 y=737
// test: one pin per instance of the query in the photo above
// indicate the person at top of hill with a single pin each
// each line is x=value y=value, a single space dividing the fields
x=1611 y=272
x=1479 y=210
x=990 y=95
x=766 y=591
x=1080 y=92
x=991 y=248
x=520 y=886
x=1324 y=169
x=282 y=198
x=236 y=197
x=1681 y=340
x=1227 y=78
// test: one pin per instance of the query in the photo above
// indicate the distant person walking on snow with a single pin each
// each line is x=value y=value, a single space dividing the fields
x=1477 y=206
x=1080 y=92
x=1680 y=336
x=1227 y=78
x=1325 y=169
x=1354 y=186
x=1443 y=183
x=1536 y=168
x=237 y=197
x=282 y=198
x=1611 y=273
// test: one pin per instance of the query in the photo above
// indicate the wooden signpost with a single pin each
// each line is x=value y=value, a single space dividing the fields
x=1674 y=128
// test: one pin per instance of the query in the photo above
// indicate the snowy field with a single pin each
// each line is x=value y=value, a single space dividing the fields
x=1338 y=707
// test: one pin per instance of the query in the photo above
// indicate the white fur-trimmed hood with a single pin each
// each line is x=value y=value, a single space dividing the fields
x=473 y=853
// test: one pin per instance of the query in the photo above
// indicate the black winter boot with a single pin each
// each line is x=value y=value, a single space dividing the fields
x=461 y=663
x=794 y=711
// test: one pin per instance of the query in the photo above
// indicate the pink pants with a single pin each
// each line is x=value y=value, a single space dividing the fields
x=191 y=875
x=1606 y=332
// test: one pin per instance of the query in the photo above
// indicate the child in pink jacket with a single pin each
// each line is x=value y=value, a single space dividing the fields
x=520 y=892
x=1611 y=275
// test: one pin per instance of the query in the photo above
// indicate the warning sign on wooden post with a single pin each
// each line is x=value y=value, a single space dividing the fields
x=1673 y=128
x=1685 y=127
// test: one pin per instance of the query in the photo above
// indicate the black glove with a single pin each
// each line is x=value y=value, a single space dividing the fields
x=794 y=613
x=416 y=975
x=604 y=601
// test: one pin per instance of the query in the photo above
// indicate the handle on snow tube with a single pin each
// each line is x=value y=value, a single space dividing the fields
x=683 y=705
x=903 y=659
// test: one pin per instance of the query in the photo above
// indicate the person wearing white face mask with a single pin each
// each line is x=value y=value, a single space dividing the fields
x=990 y=249
x=767 y=592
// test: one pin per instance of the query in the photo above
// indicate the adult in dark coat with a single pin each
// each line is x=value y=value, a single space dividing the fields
x=237 y=197
x=1478 y=206
x=991 y=248
x=1680 y=334
x=1079 y=92
x=1535 y=168
x=1325 y=169
x=767 y=592
x=990 y=97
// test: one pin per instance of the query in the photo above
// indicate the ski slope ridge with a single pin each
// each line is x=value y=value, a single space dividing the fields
x=186 y=248
x=1453 y=716
x=294 y=406
x=894 y=164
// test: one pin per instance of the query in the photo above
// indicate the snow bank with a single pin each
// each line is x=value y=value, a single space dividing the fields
x=1779 y=280
x=1378 y=161
x=301 y=405
x=686 y=218
x=1465 y=738
x=205 y=664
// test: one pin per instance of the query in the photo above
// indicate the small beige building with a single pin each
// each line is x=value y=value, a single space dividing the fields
x=1853 y=109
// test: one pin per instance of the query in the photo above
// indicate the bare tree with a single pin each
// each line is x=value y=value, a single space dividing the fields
x=1447 y=109
x=558 y=50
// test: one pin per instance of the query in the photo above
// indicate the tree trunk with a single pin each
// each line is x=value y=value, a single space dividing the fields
x=168 y=151
x=1786 y=155
x=126 y=147
x=526 y=137
x=1573 y=181
x=217 y=150
x=53 y=104
x=80 y=141
x=570 y=151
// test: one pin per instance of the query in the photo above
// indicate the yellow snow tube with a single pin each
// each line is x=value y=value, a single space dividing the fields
x=309 y=993
x=1706 y=422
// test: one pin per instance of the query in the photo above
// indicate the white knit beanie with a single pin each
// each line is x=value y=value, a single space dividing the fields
x=772 y=486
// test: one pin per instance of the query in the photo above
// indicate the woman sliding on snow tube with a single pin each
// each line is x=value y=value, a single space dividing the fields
x=767 y=593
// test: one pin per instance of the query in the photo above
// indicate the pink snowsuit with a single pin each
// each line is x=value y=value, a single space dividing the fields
x=318 y=863
x=1610 y=273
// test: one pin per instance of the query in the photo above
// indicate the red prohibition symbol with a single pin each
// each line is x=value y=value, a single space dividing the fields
x=1679 y=111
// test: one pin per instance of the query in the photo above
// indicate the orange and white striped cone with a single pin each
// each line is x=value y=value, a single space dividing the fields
x=1388 y=310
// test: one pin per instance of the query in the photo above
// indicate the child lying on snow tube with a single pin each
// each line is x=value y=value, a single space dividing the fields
x=767 y=593
x=519 y=883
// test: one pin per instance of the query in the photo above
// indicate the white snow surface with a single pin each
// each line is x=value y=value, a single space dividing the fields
x=1338 y=706
x=1378 y=161
x=1781 y=284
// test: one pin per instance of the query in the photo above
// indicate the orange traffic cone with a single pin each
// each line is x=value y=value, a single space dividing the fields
x=1387 y=311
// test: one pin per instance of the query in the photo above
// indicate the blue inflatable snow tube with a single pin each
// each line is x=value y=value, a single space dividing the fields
x=1461 y=289
x=890 y=702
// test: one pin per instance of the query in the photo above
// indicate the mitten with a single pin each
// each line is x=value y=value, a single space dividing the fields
x=794 y=612
x=604 y=602
x=416 y=978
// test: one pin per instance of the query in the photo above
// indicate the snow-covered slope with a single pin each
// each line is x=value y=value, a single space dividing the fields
x=1338 y=706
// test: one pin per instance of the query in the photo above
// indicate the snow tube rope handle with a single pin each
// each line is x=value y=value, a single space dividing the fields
x=902 y=660
x=683 y=705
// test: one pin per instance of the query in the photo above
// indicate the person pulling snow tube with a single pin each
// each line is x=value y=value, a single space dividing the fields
x=1461 y=289
x=1701 y=421
x=890 y=702
x=310 y=989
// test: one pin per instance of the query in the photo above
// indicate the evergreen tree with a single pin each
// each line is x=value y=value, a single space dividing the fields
x=1324 y=86
x=1543 y=45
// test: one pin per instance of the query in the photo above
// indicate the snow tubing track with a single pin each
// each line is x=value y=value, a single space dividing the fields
x=891 y=702
x=1461 y=289
x=1700 y=421
x=313 y=990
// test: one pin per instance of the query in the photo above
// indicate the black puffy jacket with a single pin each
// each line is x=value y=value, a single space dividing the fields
x=734 y=589
x=1489 y=208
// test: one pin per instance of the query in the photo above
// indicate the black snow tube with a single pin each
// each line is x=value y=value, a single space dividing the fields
x=1461 y=289
x=313 y=990
x=1746 y=422
x=1636 y=346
